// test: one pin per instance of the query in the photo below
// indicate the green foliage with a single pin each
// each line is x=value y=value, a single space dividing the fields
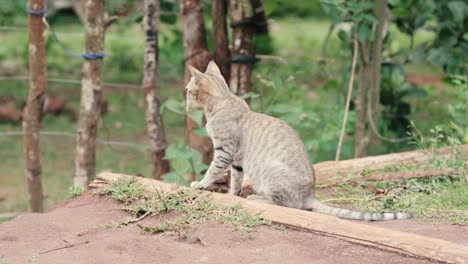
x=447 y=19
x=75 y=191
x=285 y=99
x=458 y=107
x=184 y=161
x=125 y=59
x=394 y=94
x=297 y=8
x=12 y=13
x=394 y=90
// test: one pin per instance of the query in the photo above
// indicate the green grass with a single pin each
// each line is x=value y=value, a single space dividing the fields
x=195 y=208
x=439 y=199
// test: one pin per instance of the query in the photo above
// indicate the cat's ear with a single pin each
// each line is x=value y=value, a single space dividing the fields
x=198 y=75
x=213 y=68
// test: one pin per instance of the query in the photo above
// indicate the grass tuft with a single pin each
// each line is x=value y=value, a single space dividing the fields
x=195 y=207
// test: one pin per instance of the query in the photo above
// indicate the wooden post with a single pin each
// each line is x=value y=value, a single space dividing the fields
x=34 y=106
x=222 y=55
x=154 y=123
x=243 y=49
x=91 y=94
x=196 y=54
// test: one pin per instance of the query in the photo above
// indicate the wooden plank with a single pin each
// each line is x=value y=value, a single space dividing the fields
x=410 y=244
x=417 y=157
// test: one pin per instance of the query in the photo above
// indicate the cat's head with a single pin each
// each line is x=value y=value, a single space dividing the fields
x=205 y=87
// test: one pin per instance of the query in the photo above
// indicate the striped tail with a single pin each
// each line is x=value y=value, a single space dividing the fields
x=316 y=206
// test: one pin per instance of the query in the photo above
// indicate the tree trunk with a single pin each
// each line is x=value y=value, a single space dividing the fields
x=361 y=143
x=243 y=48
x=261 y=25
x=220 y=36
x=91 y=94
x=196 y=54
x=374 y=91
x=154 y=124
x=33 y=108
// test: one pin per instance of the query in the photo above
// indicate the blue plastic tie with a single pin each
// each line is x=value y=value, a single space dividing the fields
x=43 y=13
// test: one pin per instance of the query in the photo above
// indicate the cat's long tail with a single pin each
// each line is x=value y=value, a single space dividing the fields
x=317 y=206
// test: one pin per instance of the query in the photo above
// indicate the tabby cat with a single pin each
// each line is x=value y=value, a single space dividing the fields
x=265 y=148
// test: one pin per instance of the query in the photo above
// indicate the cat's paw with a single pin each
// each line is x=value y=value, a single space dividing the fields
x=255 y=197
x=197 y=185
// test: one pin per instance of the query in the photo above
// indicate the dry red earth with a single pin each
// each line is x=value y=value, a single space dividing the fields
x=79 y=224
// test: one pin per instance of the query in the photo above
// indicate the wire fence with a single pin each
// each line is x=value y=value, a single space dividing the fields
x=72 y=135
x=69 y=81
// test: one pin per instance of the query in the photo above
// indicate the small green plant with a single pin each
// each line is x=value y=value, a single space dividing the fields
x=183 y=159
x=441 y=136
x=125 y=190
x=74 y=191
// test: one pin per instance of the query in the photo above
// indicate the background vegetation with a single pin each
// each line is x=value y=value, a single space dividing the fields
x=426 y=86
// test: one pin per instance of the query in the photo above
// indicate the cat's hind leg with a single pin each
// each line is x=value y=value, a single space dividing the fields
x=237 y=174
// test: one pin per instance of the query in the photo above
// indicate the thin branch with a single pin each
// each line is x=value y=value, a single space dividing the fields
x=139 y=218
x=69 y=81
x=271 y=57
x=73 y=135
x=376 y=131
x=110 y=19
x=67 y=246
x=327 y=38
x=348 y=98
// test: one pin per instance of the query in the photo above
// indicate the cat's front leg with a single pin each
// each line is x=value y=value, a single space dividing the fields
x=210 y=178
x=221 y=161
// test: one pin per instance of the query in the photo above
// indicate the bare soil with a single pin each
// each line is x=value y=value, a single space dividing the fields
x=75 y=232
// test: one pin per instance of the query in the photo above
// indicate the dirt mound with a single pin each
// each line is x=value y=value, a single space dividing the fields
x=75 y=232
